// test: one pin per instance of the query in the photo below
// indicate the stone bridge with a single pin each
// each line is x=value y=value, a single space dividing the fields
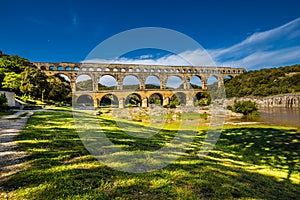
x=119 y=71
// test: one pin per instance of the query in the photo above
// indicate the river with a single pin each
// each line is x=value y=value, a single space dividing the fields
x=281 y=116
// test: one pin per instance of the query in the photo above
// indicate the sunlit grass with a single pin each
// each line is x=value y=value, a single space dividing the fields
x=248 y=162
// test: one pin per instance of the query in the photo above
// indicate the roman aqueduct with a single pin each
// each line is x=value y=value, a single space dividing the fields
x=141 y=72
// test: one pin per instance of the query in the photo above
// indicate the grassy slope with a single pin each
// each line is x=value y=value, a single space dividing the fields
x=247 y=163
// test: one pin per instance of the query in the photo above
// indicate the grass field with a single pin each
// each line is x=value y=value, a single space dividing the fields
x=257 y=162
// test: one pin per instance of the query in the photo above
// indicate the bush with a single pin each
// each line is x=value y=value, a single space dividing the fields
x=3 y=102
x=245 y=107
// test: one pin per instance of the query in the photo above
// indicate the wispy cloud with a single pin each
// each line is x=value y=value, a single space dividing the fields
x=275 y=47
x=272 y=48
x=74 y=20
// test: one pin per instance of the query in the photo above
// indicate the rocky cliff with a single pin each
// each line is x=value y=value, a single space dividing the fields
x=280 y=101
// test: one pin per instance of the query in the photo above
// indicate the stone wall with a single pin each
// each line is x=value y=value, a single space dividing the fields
x=10 y=98
x=277 y=101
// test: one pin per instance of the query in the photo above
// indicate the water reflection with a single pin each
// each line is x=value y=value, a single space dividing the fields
x=281 y=116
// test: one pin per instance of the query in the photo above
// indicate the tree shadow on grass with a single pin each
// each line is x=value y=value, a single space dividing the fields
x=202 y=179
x=278 y=148
x=63 y=169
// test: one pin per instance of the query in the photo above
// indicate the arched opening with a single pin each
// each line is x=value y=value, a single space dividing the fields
x=107 y=82
x=109 y=100
x=174 y=82
x=52 y=68
x=152 y=82
x=227 y=79
x=133 y=100
x=131 y=82
x=43 y=68
x=202 y=99
x=177 y=99
x=196 y=82
x=156 y=99
x=212 y=83
x=85 y=101
x=65 y=77
x=68 y=68
x=60 y=68
x=84 y=83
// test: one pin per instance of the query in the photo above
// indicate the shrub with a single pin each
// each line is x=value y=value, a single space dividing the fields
x=3 y=102
x=245 y=107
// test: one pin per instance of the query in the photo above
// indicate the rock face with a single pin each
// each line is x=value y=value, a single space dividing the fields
x=277 y=101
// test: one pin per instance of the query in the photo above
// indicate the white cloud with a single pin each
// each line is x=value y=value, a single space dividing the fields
x=275 y=47
x=197 y=57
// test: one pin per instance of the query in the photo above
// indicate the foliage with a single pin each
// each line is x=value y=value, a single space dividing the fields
x=9 y=64
x=12 y=82
x=244 y=107
x=20 y=76
x=33 y=82
x=86 y=85
x=203 y=99
x=58 y=89
x=3 y=102
x=265 y=82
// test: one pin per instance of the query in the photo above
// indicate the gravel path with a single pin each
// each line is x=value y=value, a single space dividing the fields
x=11 y=160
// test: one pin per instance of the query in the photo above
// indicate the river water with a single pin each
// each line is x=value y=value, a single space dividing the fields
x=281 y=116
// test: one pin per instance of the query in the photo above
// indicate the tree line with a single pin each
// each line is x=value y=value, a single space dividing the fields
x=264 y=82
x=19 y=75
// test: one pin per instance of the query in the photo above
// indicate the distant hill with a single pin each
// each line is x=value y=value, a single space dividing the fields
x=264 y=82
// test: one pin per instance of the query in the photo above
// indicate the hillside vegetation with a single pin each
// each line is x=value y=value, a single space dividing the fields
x=265 y=82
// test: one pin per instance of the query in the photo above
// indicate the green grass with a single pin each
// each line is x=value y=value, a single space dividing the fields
x=3 y=114
x=257 y=162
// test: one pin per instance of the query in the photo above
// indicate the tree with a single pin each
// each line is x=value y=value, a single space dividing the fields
x=3 y=102
x=12 y=81
x=58 y=89
x=12 y=64
x=245 y=107
x=33 y=82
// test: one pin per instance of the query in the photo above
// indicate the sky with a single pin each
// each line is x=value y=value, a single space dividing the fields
x=251 y=34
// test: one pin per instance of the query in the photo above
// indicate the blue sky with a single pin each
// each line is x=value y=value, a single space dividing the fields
x=251 y=34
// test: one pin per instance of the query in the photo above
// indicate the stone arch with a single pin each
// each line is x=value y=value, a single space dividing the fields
x=43 y=67
x=60 y=68
x=174 y=82
x=52 y=68
x=107 y=82
x=202 y=99
x=156 y=98
x=109 y=100
x=227 y=78
x=84 y=100
x=133 y=100
x=131 y=82
x=65 y=76
x=179 y=98
x=68 y=68
x=196 y=82
x=84 y=82
x=212 y=81
x=152 y=82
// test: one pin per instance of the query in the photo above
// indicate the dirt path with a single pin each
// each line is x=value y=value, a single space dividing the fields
x=11 y=160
